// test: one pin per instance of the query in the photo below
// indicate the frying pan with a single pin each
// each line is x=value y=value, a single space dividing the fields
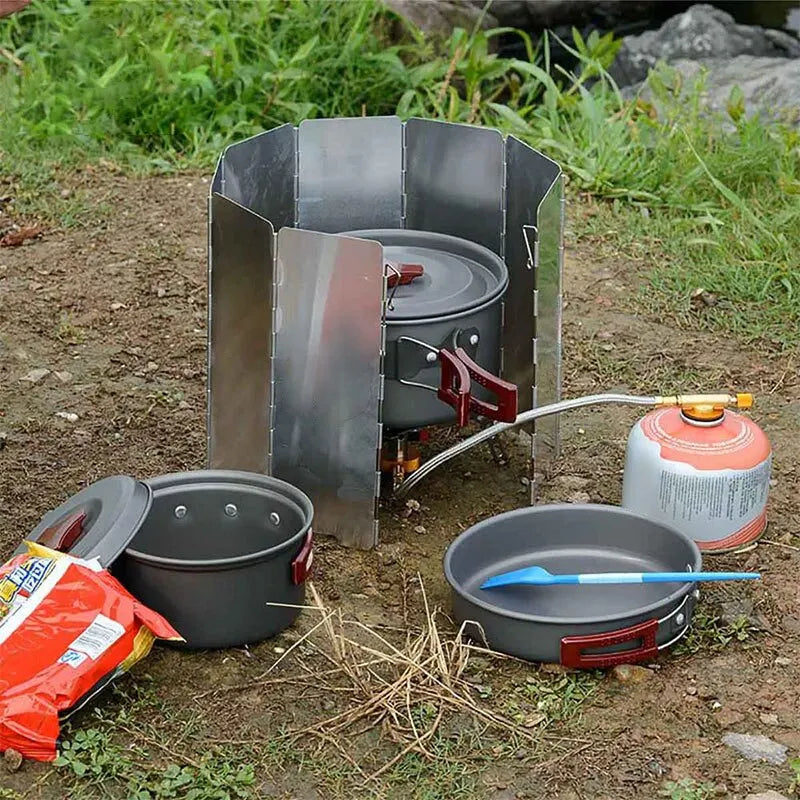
x=587 y=626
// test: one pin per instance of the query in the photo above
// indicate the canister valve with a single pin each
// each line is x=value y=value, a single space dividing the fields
x=706 y=406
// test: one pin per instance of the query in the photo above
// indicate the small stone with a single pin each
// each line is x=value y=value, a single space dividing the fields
x=388 y=554
x=35 y=375
x=720 y=790
x=117 y=306
x=161 y=292
x=64 y=377
x=467 y=474
x=769 y=795
x=706 y=693
x=66 y=193
x=420 y=529
x=773 y=483
x=691 y=690
x=769 y=719
x=279 y=650
x=69 y=416
x=716 y=705
x=756 y=748
x=572 y=483
x=525 y=481
x=412 y=505
x=791 y=624
x=12 y=760
x=581 y=431
x=152 y=366
x=521 y=754
x=782 y=661
x=631 y=673
x=728 y=717
x=555 y=669
x=581 y=498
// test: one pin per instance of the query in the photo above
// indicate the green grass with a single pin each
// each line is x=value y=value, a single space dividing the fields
x=687 y=789
x=709 y=634
x=713 y=202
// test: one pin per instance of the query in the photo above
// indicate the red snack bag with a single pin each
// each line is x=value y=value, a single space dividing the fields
x=67 y=629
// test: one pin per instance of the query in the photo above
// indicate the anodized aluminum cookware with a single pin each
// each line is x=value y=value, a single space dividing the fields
x=222 y=555
x=586 y=626
x=443 y=330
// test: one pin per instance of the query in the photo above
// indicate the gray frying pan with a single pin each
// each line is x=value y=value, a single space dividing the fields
x=585 y=626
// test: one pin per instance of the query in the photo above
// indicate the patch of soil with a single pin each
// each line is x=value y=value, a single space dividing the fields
x=116 y=314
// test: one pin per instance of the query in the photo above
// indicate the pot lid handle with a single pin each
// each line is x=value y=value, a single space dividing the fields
x=62 y=535
x=402 y=274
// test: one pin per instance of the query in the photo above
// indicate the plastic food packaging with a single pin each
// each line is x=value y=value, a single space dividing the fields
x=67 y=629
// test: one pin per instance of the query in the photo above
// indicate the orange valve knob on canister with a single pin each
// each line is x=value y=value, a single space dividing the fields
x=696 y=465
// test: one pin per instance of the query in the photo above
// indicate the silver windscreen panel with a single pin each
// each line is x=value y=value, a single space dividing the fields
x=350 y=174
x=329 y=328
x=258 y=173
x=454 y=181
x=239 y=336
x=548 y=321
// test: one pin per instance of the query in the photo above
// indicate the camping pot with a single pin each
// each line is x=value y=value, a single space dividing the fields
x=443 y=330
x=586 y=626
x=222 y=555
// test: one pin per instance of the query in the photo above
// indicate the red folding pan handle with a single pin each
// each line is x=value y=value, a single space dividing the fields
x=505 y=410
x=62 y=535
x=573 y=647
x=301 y=566
x=455 y=385
x=402 y=274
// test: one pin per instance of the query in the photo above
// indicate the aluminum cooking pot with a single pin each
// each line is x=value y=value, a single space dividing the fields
x=587 y=626
x=222 y=555
x=443 y=330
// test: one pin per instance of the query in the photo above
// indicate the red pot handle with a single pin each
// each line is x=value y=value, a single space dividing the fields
x=572 y=647
x=458 y=372
x=62 y=535
x=454 y=386
x=301 y=566
x=407 y=273
x=505 y=410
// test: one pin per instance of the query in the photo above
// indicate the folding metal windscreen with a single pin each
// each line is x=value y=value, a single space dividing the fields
x=296 y=310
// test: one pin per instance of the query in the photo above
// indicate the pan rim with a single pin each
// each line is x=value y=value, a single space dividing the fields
x=629 y=614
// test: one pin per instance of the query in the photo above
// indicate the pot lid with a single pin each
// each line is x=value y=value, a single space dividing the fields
x=97 y=522
x=456 y=275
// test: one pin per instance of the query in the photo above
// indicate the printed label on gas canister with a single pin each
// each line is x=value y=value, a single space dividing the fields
x=729 y=497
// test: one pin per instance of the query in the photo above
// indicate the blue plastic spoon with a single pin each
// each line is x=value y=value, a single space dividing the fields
x=538 y=576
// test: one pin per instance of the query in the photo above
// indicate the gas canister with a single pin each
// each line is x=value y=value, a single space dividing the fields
x=702 y=469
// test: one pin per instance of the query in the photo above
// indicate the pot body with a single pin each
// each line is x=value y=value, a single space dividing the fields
x=709 y=479
x=578 y=626
x=215 y=550
x=410 y=407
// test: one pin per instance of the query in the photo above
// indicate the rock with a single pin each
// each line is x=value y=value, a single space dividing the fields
x=412 y=505
x=782 y=661
x=729 y=716
x=441 y=17
x=571 y=483
x=756 y=748
x=791 y=625
x=420 y=529
x=770 y=795
x=12 y=760
x=631 y=673
x=580 y=498
x=69 y=416
x=769 y=719
x=770 y=86
x=388 y=554
x=64 y=377
x=700 y=33
x=152 y=366
x=35 y=375
x=733 y=611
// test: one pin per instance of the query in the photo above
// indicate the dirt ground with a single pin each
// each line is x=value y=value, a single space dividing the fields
x=116 y=311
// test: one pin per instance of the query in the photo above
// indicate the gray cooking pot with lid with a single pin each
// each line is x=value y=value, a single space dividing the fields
x=443 y=328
